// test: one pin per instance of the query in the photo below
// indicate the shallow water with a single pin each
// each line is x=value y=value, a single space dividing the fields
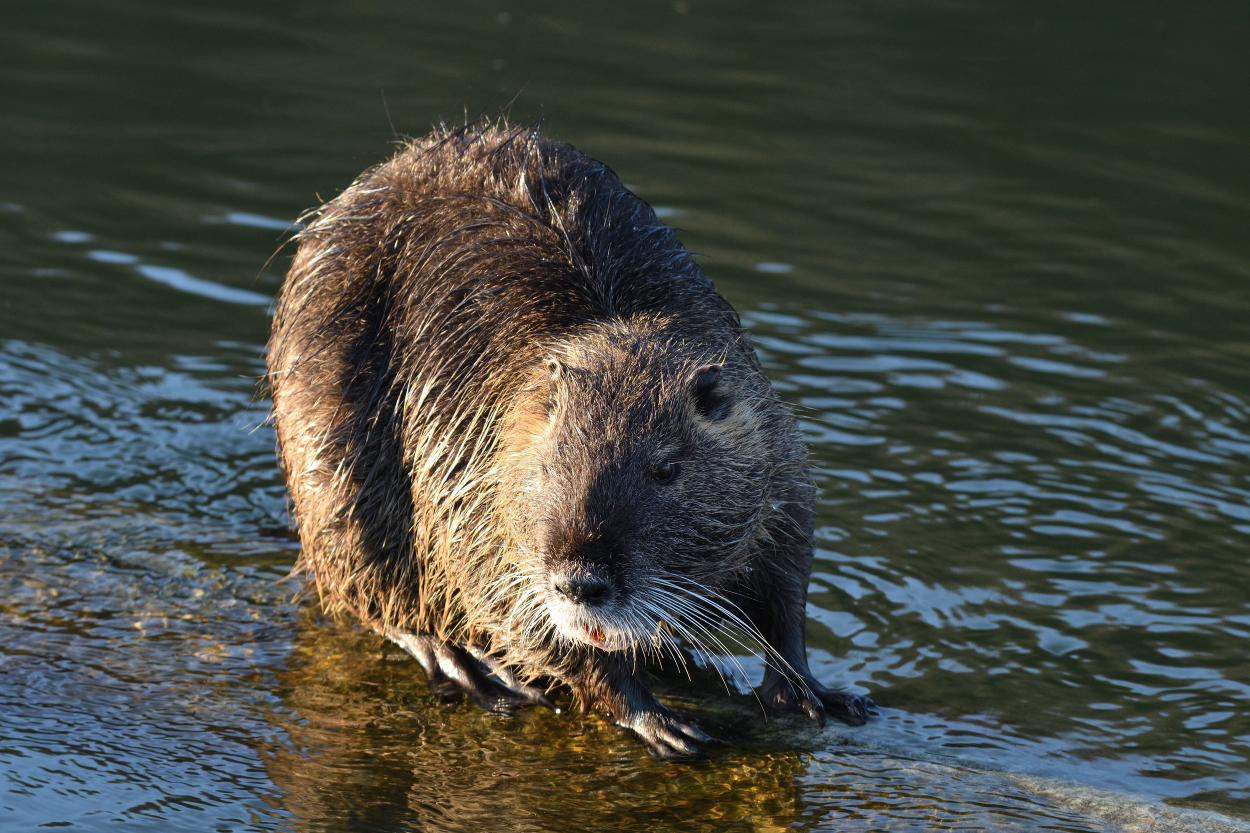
x=994 y=256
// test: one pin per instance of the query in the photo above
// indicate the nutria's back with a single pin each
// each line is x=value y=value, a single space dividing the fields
x=515 y=416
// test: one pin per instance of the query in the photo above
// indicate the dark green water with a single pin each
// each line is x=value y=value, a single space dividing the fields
x=997 y=254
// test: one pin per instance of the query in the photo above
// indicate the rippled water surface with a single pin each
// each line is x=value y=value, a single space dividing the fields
x=994 y=254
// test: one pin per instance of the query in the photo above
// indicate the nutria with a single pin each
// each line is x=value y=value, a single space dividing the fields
x=527 y=440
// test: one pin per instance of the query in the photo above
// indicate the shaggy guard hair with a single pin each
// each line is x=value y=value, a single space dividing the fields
x=483 y=350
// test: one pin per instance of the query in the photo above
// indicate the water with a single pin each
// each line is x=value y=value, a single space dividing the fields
x=995 y=256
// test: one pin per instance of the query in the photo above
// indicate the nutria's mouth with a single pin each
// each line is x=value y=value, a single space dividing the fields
x=595 y=629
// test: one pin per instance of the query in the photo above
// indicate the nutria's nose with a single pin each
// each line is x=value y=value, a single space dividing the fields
x=583 y=589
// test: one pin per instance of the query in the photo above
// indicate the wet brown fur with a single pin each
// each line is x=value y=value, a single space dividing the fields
x=474 y=345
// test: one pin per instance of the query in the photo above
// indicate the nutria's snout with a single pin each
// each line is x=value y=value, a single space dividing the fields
x=582 y=588
x=586 y=605
x=580 y=568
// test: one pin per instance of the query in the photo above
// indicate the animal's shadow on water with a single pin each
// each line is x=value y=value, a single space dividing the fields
x=372 y=748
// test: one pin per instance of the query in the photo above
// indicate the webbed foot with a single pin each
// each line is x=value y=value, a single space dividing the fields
x=669 y=735
x=814 y=700
x=452 y=670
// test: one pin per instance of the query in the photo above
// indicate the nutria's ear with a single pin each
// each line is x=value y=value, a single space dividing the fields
x=555 y=371
x=706 y=377
x=709 y=396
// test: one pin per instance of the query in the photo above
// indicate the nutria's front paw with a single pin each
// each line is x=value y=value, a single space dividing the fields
x=816 y=701
x=669 y=735
x=451 y=670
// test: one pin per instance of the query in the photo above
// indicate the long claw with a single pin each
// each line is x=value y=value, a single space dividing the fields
x=504 y=675
x=815 y=710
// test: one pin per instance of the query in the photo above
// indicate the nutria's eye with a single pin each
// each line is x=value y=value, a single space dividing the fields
x=666 y=472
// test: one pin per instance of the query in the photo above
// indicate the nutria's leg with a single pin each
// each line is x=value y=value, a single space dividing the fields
x=613 y=680
x=451 y=670
x=775 y=599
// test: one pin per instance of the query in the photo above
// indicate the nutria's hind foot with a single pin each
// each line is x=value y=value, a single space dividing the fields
x=452 y=670
x=815 y=700
x=670 y=735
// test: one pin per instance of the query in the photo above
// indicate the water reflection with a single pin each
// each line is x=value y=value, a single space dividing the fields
x=146 y=689
x=1049 y=553
x=995 y=255
x=1043 y=588
x=136 y=685
x=186 y=441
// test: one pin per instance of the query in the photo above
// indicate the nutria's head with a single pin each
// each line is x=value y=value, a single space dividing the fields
x=645 y=466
